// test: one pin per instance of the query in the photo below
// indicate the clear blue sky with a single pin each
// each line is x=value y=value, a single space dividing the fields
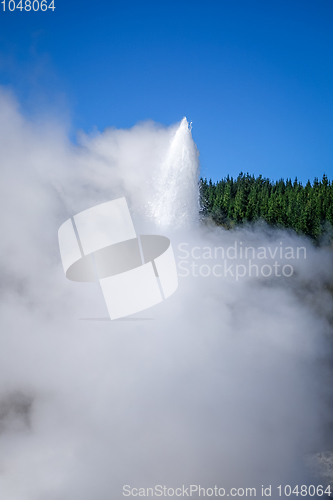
x=255 y=77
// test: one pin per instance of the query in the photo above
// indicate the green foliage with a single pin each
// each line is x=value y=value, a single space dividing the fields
x=306 y=209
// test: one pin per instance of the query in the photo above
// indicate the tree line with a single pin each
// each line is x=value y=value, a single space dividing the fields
x=306 y=209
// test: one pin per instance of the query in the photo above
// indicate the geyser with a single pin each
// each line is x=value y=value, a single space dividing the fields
x=176 y=199
x=226 y=385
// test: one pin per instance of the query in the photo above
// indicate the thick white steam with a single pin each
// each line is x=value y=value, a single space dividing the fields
x=225 y=383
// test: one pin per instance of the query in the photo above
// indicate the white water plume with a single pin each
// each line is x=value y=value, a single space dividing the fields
x=176 y=200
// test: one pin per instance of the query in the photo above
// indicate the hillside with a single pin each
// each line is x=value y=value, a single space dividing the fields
x=306 y=209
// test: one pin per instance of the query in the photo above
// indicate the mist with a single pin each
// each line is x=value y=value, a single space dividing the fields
x=225 y=383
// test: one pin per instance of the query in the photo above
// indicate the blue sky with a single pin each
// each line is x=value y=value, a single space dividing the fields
x=254 y=77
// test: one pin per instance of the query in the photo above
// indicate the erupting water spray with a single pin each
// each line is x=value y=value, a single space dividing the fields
x=176 y=201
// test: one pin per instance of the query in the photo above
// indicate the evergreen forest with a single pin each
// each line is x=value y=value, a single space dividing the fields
x=307 y=209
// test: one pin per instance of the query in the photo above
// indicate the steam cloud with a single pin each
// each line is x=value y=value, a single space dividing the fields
x=227 y=384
